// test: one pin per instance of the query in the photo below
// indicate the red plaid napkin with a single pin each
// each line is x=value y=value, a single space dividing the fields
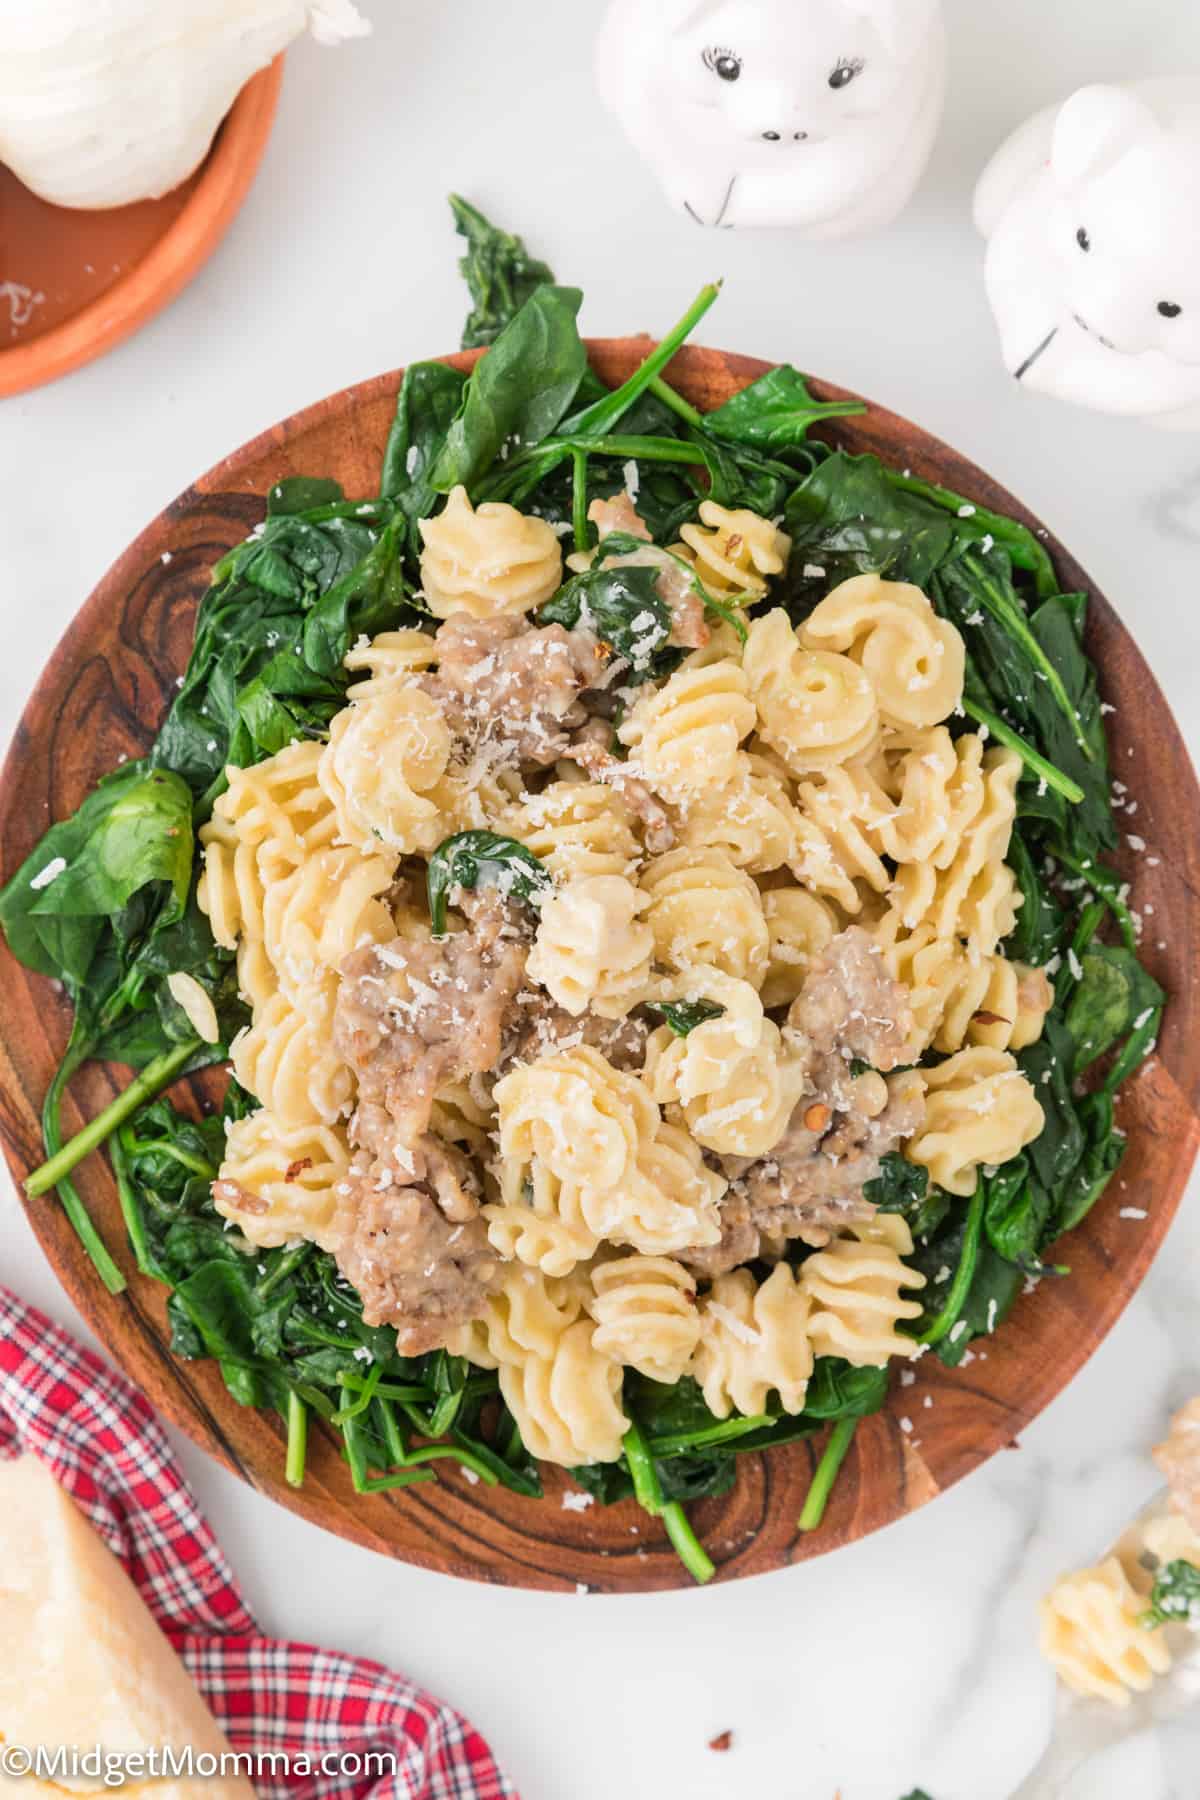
x=104 y=1446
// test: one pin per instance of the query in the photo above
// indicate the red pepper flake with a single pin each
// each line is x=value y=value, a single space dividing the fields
x=295 y=1170
x=722 y=1741
x=989 y=1018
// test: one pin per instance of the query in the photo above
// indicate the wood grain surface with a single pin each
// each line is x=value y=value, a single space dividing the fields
x=102 y=696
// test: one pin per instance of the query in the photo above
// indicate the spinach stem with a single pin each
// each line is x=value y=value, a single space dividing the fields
x=826 y=1473
x=1137 y=1048
x=359 y=1406
x=662 y=390
x=715 y=1434
x=68 y=1193
x=648 y=1490
x=688 y=1547
x=131 y=1211
x=1013 y=619
x=297 y=1440
x=1033 y=759
x=960 y=1287
x=1107 y=884
x=598 y=418
x=287 y=1264
x=579 y=502
x=156 y=1075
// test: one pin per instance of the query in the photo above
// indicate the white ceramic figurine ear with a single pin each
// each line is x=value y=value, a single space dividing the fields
x=1092 y=216
x=814 y=114
x=1095 y=129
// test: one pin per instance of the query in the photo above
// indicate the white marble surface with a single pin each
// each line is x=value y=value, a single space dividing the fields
x=908 y=1659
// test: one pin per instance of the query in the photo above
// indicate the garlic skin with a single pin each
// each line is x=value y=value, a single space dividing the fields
x=102 y=105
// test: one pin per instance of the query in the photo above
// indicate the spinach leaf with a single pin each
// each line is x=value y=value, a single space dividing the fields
x=1175 y=1597
x=1015 y=1215
x=133 y=833
x=518 y=392
x=1041 y=928
x=775 y=413
x=1058 y=625
x=499 y=271
x=428 y=402
x=1114 y=994
x=847 y=519
x=904 y=1187
x=683 y=1016
x=301 y=493
x=1049 y=1067
x=1103 y=1150
x=474 y=857
x=621 y=605
x=839 y=1391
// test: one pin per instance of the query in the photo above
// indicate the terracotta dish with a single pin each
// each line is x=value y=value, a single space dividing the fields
x=101 y=697
x=73 y=283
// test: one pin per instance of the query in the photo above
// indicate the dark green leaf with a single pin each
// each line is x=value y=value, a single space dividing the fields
x=1112 y=995
x=301 y=493
x=775 y=412
x=472 y=858
x=1049 y=1066
x=519 y=391
x=499 y=271
x=621 y=605
x=683 y=1016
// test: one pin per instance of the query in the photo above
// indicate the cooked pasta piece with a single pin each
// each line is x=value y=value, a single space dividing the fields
x=568 y=1405
x=754 y=1339
x=855 y=1287
x=816 y=709
x=525 y=1316
x=593 y=949
x=798 y=927
x=967 y=889
x=280 y=1181
x=231 y=889
x=279 y=805
x=667 y=1202
x=936 y=786
x=702 y=909
x=734 y=552
x=840 y=815
x=645 y=1313
x=750 y=818
x=913 y=659
x=732 y=1078
x=385 y=757
x=684 y=735
x=539 y=1220
x=979 y=1110
x=286 y=1059
x=487 y=561
x=703 y=1062
x=1092 y=1634
x=584 y=1120
x=958 y=999
x=314 y=917
x=576 y=828
x=388 y=660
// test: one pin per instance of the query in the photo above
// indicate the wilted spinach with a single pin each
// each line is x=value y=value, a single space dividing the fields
x=472 y=859
x=499 y=271
x=1175 y=1598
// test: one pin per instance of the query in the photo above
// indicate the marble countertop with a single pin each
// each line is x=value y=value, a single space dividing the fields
x=908 y=1659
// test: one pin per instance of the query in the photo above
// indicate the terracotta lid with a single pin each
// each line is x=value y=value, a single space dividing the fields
x=74 y=283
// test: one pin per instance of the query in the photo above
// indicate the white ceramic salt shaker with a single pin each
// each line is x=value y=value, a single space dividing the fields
x=817 y=115
x=1092 y=215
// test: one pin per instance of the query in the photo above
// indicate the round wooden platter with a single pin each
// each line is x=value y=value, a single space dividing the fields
x=101 y=699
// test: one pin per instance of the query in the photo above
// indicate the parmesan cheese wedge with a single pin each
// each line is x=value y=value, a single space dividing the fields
x=82 y=1662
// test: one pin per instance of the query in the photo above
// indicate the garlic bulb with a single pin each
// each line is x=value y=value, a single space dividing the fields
x=105 y=103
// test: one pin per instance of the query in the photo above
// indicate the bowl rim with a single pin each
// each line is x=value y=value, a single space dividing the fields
x=226 y=176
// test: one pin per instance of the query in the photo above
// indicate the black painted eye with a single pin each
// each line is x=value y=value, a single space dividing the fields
x=1082 y=238
x=725 y=63
x=1169 y=309
x=847 y=69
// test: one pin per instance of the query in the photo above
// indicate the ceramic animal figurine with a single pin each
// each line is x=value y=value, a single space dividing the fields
x=1092 y=215
x=814 y=114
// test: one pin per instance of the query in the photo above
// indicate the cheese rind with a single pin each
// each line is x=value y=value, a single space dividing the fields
x=82 y=1661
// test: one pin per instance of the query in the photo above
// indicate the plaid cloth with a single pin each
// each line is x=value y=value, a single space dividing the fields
x=104 y=1446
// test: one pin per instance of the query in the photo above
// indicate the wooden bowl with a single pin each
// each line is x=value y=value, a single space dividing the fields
x=101 y=697
x=86 y=280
